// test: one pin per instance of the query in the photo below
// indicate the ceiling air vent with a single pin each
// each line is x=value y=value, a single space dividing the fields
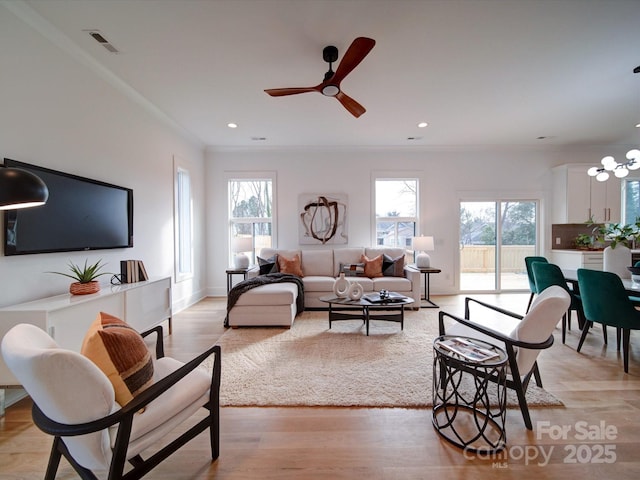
x=98 y=37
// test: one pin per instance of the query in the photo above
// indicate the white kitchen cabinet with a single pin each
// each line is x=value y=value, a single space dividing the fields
x=606 y=200
x=67 y=317
x=574 y=259
x=577 y=197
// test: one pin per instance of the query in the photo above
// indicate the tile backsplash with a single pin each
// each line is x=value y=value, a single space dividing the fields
x=563 y=235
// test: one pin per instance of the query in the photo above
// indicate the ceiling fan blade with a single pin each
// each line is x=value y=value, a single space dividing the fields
x=281 y=92
x=350 y=104
x=356 y=52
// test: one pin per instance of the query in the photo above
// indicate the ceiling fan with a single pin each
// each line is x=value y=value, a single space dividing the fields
x=330 y=86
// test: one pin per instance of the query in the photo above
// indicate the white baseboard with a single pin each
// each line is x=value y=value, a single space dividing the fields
x=184 y=303
x=9 y=396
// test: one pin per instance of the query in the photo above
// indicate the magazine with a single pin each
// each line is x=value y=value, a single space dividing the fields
x=467 y=349
x=390 y=297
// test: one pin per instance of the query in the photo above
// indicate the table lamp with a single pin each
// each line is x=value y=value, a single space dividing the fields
x=241 y=245
x=422 y=244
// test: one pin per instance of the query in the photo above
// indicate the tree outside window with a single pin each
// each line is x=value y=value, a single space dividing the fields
x=518 y=221
x=631 y=201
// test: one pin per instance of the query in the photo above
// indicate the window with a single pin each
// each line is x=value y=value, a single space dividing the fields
x=183 y=224
x=250 y=216
x=631 y=200
x=396 y=202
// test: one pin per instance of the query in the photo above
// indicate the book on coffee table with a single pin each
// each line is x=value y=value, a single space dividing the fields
x=390 y=298
x=467 y=349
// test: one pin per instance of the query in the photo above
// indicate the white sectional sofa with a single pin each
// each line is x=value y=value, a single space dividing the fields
x=267 y=305
x=275 y=304
x=321 y=267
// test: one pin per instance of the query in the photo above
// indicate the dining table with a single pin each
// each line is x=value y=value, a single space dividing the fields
x=632 y=288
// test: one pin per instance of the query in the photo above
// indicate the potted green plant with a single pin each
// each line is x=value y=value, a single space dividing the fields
x=617 y=256
x=584 y=242
x=636 y=236
x=621 y=234
x=598 y=233
x=85 y=277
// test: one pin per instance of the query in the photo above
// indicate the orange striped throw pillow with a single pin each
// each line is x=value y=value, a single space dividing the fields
x=120 y=352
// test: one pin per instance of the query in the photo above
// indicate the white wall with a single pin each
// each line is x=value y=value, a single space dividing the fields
x=58 y=113
x=446 y=175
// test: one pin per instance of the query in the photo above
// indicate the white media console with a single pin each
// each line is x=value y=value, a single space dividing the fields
x=67 y=317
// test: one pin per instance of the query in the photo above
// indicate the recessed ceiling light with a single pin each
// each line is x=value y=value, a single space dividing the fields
x=637 y=125
x=232 y=125
x=422 y=124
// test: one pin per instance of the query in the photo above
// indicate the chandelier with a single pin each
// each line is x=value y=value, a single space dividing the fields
x=620 y=170
x=609 y=164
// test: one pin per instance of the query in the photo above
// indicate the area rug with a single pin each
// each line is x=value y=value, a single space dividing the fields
x=312 y=365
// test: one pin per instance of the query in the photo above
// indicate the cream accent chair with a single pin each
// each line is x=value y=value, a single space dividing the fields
x=75 y=402
x=523 y=338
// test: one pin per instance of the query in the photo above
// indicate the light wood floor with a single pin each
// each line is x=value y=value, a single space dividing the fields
x=372 y=443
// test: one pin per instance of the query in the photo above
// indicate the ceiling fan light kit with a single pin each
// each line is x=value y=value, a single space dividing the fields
x=330 y=91
x=330 y=86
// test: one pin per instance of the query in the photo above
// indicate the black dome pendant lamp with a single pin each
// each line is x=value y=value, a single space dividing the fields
x=21 y=189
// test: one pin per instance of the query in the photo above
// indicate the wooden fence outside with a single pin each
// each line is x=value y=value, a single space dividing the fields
x=482 y=258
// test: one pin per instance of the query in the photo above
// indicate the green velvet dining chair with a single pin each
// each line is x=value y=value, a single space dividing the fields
x=548 y=274
x=605 y=301
x=528 y=261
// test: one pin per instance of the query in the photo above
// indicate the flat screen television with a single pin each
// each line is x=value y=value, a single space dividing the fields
x=80 y=214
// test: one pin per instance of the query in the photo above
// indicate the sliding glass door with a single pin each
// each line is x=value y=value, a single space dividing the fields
x=495 y=236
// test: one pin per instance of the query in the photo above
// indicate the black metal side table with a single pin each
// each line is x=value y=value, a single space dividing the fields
x=231 y=271
x=470 y=397
x=426 y=273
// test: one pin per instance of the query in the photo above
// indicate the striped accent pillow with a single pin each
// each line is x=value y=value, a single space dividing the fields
x=120 y=352
x=352 y=269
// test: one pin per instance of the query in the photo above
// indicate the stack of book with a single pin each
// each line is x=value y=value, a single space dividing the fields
x=132 y=271
x=388 y=297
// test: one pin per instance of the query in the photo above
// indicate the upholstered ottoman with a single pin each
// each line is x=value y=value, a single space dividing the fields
x=267 y=305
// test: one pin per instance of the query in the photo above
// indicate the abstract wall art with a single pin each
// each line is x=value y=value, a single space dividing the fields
x=323 y=218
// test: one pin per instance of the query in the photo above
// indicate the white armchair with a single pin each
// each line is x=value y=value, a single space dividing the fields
x=521 y=337
x=74 y=401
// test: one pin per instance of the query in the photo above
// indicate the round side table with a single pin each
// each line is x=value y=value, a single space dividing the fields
x=470 y=395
